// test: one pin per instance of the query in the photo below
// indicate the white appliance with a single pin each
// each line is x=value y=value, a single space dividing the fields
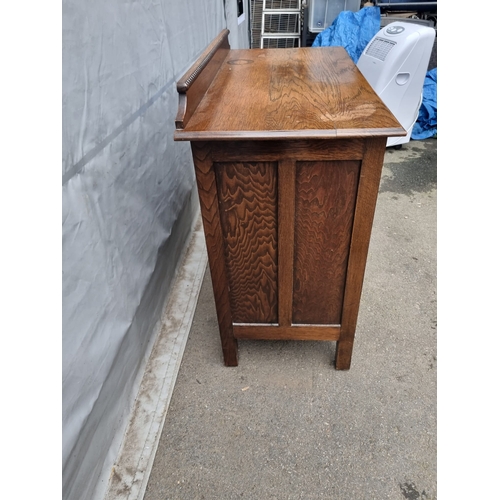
x=322 y=13
x=395 y=63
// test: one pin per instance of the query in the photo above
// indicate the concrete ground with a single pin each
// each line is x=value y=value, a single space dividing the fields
x=285 y=424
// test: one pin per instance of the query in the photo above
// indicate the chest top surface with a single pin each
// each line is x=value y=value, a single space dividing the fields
x=288 y=93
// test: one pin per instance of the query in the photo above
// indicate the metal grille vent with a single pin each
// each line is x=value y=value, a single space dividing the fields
x=282 y=23
x=379 y=48
x=256 y=22
x=280 y=43
x=283 y=4
x=273 y=19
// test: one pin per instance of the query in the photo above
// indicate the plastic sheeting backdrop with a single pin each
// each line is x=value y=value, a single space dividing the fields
x=125 y=186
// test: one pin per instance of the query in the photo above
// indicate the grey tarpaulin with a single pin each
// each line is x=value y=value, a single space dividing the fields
x=351 y=30
x=128 y=201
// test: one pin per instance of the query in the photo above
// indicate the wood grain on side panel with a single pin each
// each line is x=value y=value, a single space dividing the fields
x=207 y=192
x=248 y=210
x=325 y=200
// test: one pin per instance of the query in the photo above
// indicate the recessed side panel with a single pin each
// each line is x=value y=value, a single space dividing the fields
x=325 y=201
x=247 y=194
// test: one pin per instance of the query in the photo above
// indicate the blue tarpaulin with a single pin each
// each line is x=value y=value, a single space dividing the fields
x=426 y=124
x=351 y=30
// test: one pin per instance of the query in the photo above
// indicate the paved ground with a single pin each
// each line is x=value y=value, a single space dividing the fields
x=284 y=424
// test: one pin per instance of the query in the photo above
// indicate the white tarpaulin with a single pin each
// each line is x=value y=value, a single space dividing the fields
x=128 y=201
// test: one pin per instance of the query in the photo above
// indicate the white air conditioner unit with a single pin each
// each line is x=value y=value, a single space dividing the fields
x=395 y=64
x=322 y=13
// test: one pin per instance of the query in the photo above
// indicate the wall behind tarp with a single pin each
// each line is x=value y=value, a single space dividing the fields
x=128 y=203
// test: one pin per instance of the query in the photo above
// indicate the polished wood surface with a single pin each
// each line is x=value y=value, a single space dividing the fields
x=288 y=93
x=194 y=84
x=209 y=204
x=288 y=146
x=286 y=241
x=296 y=150
x=296 y=332
x=366 y=199
x=249 y=217
x=325 y=198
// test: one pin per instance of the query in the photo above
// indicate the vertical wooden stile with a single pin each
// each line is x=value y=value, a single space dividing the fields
x=286 y=240
x=369 y=180
x=207 y=192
